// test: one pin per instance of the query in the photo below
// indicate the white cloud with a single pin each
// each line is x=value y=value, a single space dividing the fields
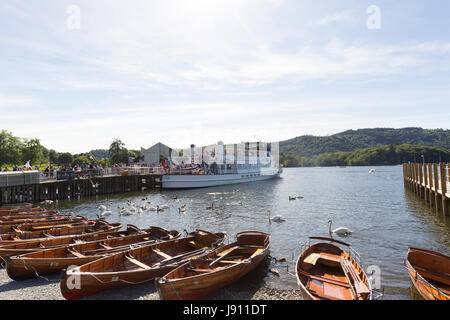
x=341 y=16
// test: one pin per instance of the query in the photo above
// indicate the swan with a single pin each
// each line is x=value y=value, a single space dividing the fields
x=341 y=231
x=164 y=206
x=372 y=170
x=277 y=218
x=102 y=208
x=181 y=210
x=125 y=212
x=106 y=213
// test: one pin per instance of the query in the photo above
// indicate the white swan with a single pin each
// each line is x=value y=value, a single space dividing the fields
x=125 y=212
x=106 y=213
x=341 y=231
x=277 y=218
x=102 y=208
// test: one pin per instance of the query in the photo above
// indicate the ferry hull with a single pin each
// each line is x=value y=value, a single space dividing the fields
x=203 y=181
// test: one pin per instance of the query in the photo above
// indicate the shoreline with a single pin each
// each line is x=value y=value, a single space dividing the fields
x=41 y=289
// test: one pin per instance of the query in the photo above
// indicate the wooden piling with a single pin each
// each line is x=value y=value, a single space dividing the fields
x=444 y=199
x=430 y=183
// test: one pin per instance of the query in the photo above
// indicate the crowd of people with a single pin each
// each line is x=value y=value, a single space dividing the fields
x=92 y=170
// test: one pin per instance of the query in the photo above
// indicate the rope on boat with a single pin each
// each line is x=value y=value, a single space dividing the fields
x=121 y=280
x=175 y=290
x=37 y=273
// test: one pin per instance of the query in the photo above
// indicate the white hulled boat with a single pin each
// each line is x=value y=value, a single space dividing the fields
x=235 y=168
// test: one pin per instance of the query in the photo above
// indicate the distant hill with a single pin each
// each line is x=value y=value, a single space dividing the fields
x=351 y=140
x=382 y=155
x=100 y=153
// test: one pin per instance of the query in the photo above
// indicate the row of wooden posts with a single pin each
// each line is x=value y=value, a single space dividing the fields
x=78 y=188
x=430 y=182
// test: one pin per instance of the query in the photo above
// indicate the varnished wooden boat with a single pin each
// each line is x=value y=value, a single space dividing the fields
x=325 y=271
x=24 y=247
x=219 y=268
x=30 y=216
x=430 y=273
x=56 y=222
x=137 y=265
x=91 y=226
x=20 y=210
x=52 y=260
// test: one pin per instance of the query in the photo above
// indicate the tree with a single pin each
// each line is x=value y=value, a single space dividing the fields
x=65 y=158
x=117 y=152
x=10 y=148
x=52 y=156
x=32 y=151
x=80 y=160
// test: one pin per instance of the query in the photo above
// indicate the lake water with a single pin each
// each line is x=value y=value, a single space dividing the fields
x=386 y=219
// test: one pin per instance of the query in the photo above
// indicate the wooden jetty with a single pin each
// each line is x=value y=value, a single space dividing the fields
x=430 y=182
x=78 y=188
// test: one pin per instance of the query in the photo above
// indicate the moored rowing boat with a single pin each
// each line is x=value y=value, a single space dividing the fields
x=52 y=260
x=137 y=265
x=212 y=271
x=92 y=226
x=24 y=247
x=14 y=226
x=325 y=271
x=430 y=273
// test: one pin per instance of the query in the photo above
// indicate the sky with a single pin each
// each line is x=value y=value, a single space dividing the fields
x=77 y=74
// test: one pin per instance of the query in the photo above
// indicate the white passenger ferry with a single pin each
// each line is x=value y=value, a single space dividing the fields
x=223 y=164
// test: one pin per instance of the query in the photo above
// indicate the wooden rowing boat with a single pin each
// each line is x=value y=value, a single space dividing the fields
x=19 y=211
x=137 y=265
x=430 y=273
x=52 y=260
x=92 y=226
x=219 y=268
x=24 y=247
x=57 y=222
x=325 y=271
x=30 y=216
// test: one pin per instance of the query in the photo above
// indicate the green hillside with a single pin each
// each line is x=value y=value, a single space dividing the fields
x=384 y=155
x=351 y=140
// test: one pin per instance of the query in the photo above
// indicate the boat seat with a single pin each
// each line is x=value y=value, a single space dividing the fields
x=162 y=254
x=229 y=261
x=313 y=258
x=226 y=251
x=137 y=262
x=257 y=251
x=104 y=245
x=76 y=253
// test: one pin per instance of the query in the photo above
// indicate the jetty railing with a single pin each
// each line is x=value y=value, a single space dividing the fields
x=430 y=182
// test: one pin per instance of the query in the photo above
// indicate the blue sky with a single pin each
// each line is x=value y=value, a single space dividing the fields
x=200 y=71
